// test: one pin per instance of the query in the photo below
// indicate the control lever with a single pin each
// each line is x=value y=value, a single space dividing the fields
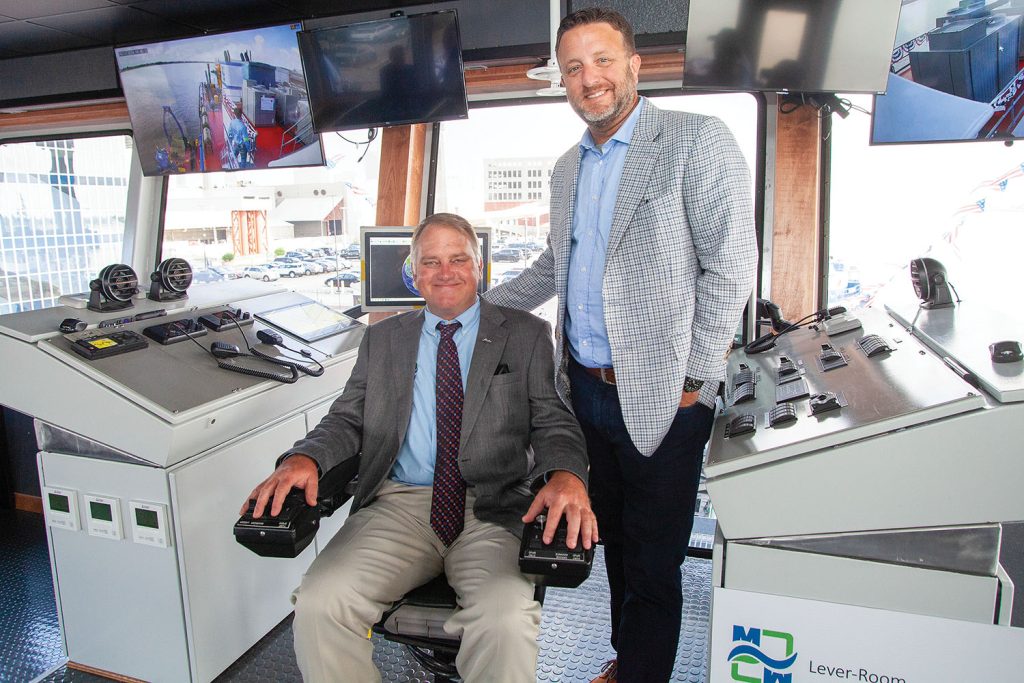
x=554 y=564
x=743 y=424
x=288 y=534
x=824 y=402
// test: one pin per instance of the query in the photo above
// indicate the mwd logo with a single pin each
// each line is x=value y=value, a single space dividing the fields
x=761 y=656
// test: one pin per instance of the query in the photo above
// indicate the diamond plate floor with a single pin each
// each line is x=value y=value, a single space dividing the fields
x=573 y=638
x=30 y=640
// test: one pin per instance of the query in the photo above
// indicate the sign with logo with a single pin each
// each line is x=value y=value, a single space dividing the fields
x=761 y=638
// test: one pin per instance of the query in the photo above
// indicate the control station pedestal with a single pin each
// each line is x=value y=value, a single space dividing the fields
x=149 y=445
x=860 y=470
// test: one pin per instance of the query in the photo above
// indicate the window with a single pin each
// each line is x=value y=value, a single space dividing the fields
x=961 y=203
x=62 y=216
x=230 y=225
x=533 y=136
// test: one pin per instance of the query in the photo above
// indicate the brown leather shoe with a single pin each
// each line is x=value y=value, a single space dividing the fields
x=609 y=672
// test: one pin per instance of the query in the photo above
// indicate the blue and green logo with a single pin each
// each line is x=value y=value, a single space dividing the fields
x=761 y=656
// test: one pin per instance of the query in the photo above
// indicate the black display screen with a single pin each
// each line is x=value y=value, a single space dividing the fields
x=383 y=73
x=59 y=503
x=388 y=283
x=810 y=46
x=146 y=518
x=955 y=76
x=100 y=511
x=219 y=102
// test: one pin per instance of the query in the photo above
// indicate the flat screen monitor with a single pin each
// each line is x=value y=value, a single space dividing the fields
x=955 y=75
x=225 y=102
x=309 y=321
x=390 y=72
x=808 y=46
x=387 y=268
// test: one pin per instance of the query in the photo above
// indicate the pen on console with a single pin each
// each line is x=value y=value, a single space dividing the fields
x=146 y=315
x=962 y=372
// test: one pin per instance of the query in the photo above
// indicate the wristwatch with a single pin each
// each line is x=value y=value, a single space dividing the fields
x=690 y=385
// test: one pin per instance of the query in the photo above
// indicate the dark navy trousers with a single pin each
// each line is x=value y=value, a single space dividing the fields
x=644 y=508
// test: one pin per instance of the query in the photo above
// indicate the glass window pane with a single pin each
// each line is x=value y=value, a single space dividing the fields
x=961 y=203
x=483 y=158
x=303 y=220
x=62 y=216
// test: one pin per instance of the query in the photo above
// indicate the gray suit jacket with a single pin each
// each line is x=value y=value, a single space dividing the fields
x=680 y=264
x=515 y=429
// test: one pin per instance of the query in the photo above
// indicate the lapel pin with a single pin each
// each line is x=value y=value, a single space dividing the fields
x=485 y=339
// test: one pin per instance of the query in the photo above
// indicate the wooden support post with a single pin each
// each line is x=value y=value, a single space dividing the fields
x=796 y=236
x=400 y=182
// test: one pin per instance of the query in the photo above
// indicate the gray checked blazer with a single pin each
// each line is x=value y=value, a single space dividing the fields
x=515 y=429
x=680 y=264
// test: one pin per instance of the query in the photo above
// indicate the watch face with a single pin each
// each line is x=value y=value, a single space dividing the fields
x=690 y=385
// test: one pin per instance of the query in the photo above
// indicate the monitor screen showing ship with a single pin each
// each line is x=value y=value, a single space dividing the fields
x=225 y=102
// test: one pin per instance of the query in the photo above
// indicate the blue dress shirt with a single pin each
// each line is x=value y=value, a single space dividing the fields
x=415 y=464
x=597 y=187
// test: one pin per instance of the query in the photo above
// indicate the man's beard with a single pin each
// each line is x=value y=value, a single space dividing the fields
x=622 y=101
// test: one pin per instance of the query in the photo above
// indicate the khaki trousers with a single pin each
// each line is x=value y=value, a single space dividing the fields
x=388 y=548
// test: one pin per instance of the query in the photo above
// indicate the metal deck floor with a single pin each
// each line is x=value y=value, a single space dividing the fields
x=573 y=637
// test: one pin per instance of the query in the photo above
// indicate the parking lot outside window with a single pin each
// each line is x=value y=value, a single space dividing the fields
x=295 y=227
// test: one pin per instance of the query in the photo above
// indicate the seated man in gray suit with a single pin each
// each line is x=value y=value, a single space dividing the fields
x=444 y=405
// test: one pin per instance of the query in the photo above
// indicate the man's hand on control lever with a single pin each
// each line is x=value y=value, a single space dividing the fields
x=565 y=494
x=297 y=471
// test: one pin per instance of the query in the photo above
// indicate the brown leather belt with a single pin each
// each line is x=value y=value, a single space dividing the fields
x=606 y=375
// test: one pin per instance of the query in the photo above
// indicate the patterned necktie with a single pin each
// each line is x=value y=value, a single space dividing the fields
x=448 y=504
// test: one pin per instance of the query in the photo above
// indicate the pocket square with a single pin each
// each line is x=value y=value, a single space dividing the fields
x=502 y=369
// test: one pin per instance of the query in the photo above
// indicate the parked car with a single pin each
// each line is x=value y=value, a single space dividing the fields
x=528 y=247
x=329 y=264
x=289 y=269
x=508 y=275
x=342 y=280
x=226 y=273
x=305 y=267
x=508 y=255
x=207 y=275
x=315 y=268
x=351 y=251
x=265 y=272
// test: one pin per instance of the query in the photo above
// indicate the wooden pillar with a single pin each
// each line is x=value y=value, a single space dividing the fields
x=796 y=235
x=400 y=182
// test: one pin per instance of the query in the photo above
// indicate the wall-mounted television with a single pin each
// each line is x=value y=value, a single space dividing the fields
x=955 y=75
x=387 y=267
x=224 y=102
x=807 y=46
x=396 y=71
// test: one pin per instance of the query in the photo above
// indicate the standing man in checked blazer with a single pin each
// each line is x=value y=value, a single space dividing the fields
x=451 y=409
x=652 y=255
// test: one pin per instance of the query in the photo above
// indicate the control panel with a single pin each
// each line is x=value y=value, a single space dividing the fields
x=134 y=385
x=815 y=390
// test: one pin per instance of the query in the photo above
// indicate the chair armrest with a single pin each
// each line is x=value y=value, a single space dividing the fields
x=333 y=489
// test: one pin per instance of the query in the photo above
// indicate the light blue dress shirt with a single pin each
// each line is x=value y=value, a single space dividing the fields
x=596 y=190
x=415 y=464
